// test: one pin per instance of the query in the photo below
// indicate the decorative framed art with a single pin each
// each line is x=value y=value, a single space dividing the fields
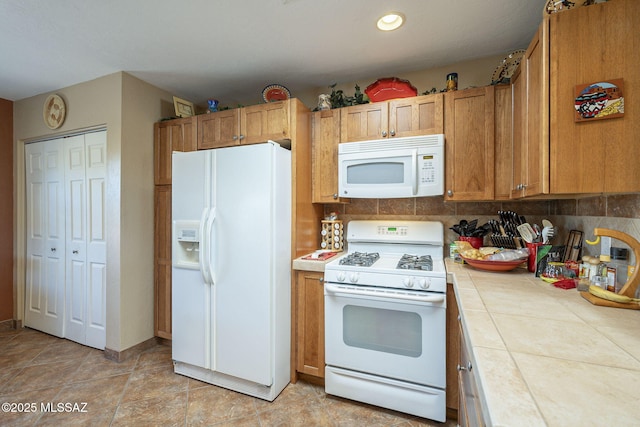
x=601 y=100
x=183 y=108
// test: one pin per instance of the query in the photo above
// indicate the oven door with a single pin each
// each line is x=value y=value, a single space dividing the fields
x=400 y=335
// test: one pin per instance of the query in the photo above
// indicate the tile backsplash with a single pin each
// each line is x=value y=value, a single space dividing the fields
x=618 y=212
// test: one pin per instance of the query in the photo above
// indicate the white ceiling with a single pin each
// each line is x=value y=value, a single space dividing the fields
x=232 y=49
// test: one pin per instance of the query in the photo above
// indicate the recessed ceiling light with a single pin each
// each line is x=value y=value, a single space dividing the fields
x=390 y=21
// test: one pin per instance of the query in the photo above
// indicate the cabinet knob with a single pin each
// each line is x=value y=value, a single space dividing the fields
x=53 y=249
x=384 y=133
x=461 y=368
x=75 y=251
x=450 y=193
x=235 y=137
x=241 y=136
x=335 y=196
x=392 y=133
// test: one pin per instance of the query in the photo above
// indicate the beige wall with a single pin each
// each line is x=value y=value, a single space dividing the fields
x=129 y=120
x=470 y=73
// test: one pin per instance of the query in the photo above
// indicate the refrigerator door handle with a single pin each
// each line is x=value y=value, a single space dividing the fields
x=210 y=246
x=204 y=258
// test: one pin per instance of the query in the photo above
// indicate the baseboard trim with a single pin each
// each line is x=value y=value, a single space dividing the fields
x=10 y=324
x=121 y=356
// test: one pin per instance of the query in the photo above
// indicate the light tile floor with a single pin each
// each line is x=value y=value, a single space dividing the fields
x=37 y=370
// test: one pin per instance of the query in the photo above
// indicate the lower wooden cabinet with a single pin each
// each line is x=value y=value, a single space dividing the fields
x=453 y=352
x=469 y=412
x=309 y=324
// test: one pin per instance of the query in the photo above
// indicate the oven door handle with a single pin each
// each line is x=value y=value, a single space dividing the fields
x=433 y=298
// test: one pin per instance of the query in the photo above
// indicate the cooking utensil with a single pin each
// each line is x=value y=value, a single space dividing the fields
x=547 y=223
x=526 y=232
x=547 y=234
x=536 y=232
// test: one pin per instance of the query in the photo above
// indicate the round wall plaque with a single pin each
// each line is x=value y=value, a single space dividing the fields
x=54 y=111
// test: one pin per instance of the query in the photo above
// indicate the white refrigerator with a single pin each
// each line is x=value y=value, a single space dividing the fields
x=231 y=277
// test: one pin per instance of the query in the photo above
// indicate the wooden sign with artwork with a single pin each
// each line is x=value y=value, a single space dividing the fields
x=601 y=100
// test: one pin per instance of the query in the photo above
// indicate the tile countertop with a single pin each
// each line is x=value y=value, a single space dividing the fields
x=545 y=356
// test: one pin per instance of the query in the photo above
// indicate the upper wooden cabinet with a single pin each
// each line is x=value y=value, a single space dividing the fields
x=247 y=125
x=171 y=135
x=259 y=123
x=219 y=129
x=420 y=115
x=503 y=128
x=469 y=144
x=531 y=118
x=594 y=44
x=325 y=137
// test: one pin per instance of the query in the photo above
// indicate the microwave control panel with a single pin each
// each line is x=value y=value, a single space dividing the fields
x=428 y=168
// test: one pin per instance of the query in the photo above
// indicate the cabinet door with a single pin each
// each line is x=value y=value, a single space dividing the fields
x=536 y=152
x=503 y=142
x=596 y=155
x=453 y=349
x=420 y=115
x=169 y=136
x=518 y=82
x=162 y=261
x=325 y=138
x=219 y=129
x=469 y=145
x=364 y=122
x=310 y=323
x=259 y=123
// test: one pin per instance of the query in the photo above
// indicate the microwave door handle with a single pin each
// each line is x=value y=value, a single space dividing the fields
x=414 y=172
x=433 y=298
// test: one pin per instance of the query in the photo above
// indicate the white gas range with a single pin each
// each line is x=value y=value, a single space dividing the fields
x=385 y=317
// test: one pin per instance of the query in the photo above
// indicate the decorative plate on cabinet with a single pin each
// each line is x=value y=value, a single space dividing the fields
x=54 y=111
x=507 y=67
x=390 y=88
x=555 y=6
x=274 y=93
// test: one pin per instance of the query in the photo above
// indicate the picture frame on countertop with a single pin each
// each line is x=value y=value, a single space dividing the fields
x=183 y=108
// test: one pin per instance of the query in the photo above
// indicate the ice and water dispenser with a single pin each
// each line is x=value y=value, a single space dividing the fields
x=186 y=244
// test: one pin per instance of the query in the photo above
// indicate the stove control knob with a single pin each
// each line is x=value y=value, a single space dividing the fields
x=341 y=276
x=353 y=277
x=408 y=282
x=425 y=283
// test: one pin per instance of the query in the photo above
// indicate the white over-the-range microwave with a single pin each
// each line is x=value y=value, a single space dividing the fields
x=392 y=168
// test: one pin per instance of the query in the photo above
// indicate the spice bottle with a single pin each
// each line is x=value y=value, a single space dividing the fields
x=452 y=81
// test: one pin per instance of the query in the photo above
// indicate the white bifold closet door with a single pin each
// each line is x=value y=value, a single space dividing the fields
x=81 y=294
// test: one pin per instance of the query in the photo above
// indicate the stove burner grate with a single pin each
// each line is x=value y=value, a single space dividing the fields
x=361 y=259
x=415 y=262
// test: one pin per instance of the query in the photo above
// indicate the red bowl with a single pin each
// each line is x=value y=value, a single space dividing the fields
x=493 y=265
